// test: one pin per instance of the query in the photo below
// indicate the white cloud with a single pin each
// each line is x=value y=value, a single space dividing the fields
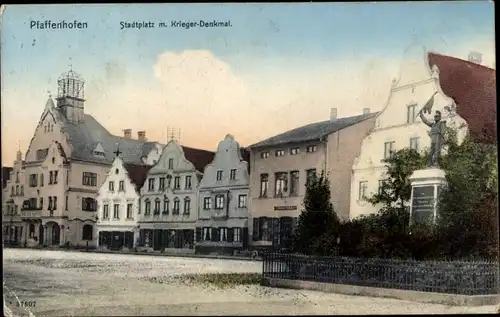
x=198 y=92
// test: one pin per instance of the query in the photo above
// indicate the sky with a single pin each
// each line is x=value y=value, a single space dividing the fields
x=278 y=66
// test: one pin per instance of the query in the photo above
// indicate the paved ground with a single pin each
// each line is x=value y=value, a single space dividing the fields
x=89 y=284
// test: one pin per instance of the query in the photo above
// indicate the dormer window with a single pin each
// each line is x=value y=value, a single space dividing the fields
x=99 y=153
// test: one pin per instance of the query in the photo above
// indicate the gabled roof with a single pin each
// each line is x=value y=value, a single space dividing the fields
x=85 y=136
x=473 y=87
x=137 y=174
x=313 y=131
x=199 y=158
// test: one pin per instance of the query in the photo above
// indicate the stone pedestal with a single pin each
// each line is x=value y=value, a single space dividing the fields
x=426 y=185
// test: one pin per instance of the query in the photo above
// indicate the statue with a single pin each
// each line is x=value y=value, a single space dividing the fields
x=438 y=129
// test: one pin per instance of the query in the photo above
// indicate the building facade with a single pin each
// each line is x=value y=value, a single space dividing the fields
x=222 y=224
x=462 y=91
x=66 y=162
x=118 y=205
x=168 y=203
x=282 y=166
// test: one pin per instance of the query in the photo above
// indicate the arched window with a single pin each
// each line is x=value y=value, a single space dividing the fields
x=177 y=203
x=166 y=205
x=87 y=232
x=187 y=205
x=147 y=207
x=157 y=206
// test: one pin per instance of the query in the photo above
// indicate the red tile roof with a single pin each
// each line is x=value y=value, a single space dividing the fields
x=473 y=87
x=199 y=158
x=137 y=174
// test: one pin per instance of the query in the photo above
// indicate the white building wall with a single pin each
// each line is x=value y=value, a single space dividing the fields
x=129 y=195
x=416 y=84
x=227 y=157
x=181 y=168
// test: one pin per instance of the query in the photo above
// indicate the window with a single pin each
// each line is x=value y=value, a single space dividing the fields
x=265 y=229
x=188 y=182
x=17 y=190
x=170 y=164
x=232 y=174
x=121 y=186
x=414 y=143
x=388 y=149
x=187 y=205
x=17 y=177
x=41 y=203
x=105 y=212
x=411 y=113
x=147 y=207
x=33 y=180
x=264 y=184
x=176 y=206
x=280 y=184
x=89 y=204
x=219 y=202
x=41 y=179
x=237 y=234
x=54 y=203
x=219 y=176
x=111 y=186
x=242 y=201
x=294 y=151
x=56 y=177
x=89 y=179
x=381 y=186
x=162 y=183
x=223 y=234
x=207 y=236
x=87 y=231
x=116 y=211
x=207 y=203
x=310 y=176
x=169 y=180
x=66 y=203
x=177 y=182
x=129 y=211
x=166 y=205
x=294 y=183
x=363 y=188
x=157 y=206
x=51 y=178
x=264 y=155
x=311 y=148
x=151 y=184
x=280 y=152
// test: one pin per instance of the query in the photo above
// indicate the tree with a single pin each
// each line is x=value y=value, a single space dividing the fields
x=317 y=221
x=468 y=218
x=395 y=192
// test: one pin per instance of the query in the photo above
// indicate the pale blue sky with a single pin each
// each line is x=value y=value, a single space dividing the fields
x=266 y=43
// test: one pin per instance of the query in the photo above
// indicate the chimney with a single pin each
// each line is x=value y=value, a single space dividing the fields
x=127 y=133
x=366 y=110
x=141 y=135
x=475 y=57
x=333 y=114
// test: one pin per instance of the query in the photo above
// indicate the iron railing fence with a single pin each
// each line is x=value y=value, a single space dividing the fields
x=452 y=277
